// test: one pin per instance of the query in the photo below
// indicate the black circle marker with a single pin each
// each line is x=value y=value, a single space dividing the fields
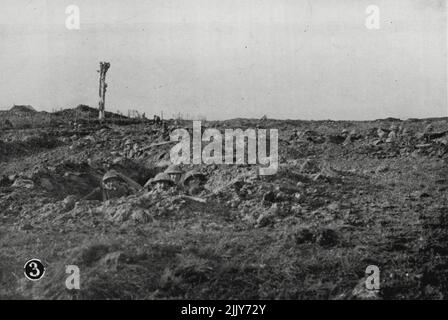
x=34 y=269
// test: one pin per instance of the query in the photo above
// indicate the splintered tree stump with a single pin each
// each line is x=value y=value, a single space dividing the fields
x=104 y=66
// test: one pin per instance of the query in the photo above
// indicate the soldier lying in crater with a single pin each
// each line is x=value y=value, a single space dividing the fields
x=162 y=181
x=114 y=185
x=117 y=185
x=175 y=173
x=193 y=182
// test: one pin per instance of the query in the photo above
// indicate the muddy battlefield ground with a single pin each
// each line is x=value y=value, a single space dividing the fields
x=347 y=195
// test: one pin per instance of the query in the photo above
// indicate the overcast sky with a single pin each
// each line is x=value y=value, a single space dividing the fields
x=222 y=59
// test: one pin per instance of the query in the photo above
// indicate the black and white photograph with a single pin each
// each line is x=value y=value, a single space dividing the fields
x=223 y=150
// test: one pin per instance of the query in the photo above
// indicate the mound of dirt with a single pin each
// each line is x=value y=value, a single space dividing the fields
x=85 y=112
x=22 y=109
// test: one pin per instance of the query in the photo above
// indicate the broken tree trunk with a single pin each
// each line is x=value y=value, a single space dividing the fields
x=104 y=66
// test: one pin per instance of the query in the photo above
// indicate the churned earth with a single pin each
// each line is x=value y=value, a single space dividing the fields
x=347 y=195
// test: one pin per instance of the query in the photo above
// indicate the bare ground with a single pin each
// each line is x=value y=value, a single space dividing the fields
x=295 y=235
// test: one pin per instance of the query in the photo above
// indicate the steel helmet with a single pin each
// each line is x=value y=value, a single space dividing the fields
x=161 y=177
x=193 y=174
x=173 y=169
x=111 y=174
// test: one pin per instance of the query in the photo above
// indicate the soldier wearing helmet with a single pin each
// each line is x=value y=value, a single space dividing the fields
x=116 y=185
x=160 y=181
x=194 y=181
x=174 y=172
